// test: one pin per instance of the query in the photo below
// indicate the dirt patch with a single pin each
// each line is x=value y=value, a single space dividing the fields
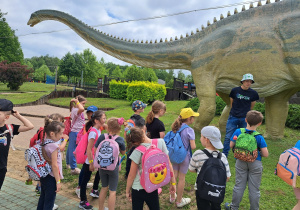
x=16 y=169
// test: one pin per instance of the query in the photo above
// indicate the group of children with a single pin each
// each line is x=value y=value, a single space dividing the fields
x=53 y=141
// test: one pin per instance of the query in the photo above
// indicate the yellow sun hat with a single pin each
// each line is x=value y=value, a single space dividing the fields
x=188 y=112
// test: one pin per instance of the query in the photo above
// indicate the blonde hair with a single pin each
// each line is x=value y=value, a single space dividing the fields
x=156 y=107
x=114 y=125
x=177 y=123
x=80 y=98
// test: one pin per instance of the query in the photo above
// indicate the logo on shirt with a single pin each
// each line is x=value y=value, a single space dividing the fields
x=241 y=97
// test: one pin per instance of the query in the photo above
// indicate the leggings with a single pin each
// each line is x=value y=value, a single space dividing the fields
x=2 y=176
x=141 y=196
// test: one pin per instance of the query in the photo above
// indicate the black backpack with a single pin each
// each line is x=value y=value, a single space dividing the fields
x=211 y=181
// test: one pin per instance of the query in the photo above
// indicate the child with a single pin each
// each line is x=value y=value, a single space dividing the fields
x=155 y=127
x=211 y=141
x=97 y=120
x=109 y=179
x=138 y=107
x=50 y=184
x=78 y=121
x=134 y=190
x=186 y=117
x=94 y=193
x=250 y=172
x=6 y=109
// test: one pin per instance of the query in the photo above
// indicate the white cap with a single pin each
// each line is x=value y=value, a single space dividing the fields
x=247 y=77
x=214 y=136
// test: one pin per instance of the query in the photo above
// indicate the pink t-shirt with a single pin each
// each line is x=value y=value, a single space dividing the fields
x=50 y=148
x=78 y=120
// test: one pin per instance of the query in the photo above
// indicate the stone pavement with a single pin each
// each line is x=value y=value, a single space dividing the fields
x=16 y=195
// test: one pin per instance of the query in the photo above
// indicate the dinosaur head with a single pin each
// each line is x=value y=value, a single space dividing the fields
x=34 y=19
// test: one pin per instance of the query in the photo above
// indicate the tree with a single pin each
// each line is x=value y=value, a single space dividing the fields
x=40 y=73
x=161 y=74
x=10 y=48
x=170 y=79
x=117 y=72
x=149 y=75
x=67 y=67
x=14 y=74
x=90 y=66
x=189 y=78
x=133 y=73
x=181 y=75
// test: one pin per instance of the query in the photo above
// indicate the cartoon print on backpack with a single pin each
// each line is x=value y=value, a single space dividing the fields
x=157 y=173
x=105 y=157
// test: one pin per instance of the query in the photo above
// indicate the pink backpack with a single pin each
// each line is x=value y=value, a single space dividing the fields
x=288 y=167
x=107 y=153
x=155 y=167
x=80 y=151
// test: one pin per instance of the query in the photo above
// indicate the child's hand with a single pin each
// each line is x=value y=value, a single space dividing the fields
x=91 y=167
x=16 y=114
x=172 y=189
x=58 y=187
x=128 y=196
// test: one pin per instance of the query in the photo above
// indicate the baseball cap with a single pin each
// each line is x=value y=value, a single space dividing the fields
x=138 y=105
x=92 y=109
x=188 y=112
x=6 y=105
x=247 y=77
x=214 y=136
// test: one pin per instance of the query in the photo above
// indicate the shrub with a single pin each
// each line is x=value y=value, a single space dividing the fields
x=118 y=89
x=145 y=91
x=292 y=120
x=193 y=104
x=220 y=104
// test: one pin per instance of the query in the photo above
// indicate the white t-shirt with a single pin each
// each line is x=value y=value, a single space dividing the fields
x=92 y=135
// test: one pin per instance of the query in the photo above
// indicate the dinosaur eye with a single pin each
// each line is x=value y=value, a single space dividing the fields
x=155 y=175
x=162 y=173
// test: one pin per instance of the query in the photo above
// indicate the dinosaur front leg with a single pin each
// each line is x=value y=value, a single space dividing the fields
x=225 y=113
x=206 y=92
x=276 y=113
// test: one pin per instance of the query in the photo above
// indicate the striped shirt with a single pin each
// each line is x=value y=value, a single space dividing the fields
x=199 y=157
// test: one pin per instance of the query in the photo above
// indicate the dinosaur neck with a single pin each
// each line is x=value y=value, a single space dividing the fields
x=163 y=55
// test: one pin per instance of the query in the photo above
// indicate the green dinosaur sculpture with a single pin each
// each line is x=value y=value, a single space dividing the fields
x=263 y=41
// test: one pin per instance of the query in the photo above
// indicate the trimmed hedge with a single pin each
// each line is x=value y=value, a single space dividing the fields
x=292 y=120
x=145 y=91
x=118 y=89
x=137 y=90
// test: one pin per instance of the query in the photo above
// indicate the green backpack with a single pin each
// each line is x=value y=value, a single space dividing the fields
x=246 y=146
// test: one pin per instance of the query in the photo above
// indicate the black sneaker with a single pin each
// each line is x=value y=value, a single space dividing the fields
x=85 y=205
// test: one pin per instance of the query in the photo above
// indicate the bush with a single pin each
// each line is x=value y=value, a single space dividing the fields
x=220 y=104
x=292 y=120
x=118 y=90
x=145 y=91
x=193 y=104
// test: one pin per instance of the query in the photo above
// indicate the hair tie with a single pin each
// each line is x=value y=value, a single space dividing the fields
x=128 y=132
x=120 y=121
x=50 y=120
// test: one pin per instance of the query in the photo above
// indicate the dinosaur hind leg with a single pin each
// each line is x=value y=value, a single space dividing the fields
x=276 y=113
x=225 y=113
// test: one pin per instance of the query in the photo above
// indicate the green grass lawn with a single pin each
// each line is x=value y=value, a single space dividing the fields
x=275 y=194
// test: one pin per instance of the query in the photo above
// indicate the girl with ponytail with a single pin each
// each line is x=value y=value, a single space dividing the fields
x=155 y=127
x=50 y=184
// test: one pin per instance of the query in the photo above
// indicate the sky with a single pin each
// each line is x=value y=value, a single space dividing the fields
x=43 y=40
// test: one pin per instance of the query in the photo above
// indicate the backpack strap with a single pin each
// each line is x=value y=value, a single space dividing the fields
x=155 y=142
x=210 y=154
x=182 y=128
x=10 y=129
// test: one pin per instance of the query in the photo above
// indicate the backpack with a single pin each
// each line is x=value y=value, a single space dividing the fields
x=80 y=134
x=107 y=153
x=67 y=125
x=37 y=166
x=288 y=167
x=211 y=181
x=155 y=167
x=177 y=151
x=80 y=151
x=10 y=128
x=36 y=139
x=246 y=146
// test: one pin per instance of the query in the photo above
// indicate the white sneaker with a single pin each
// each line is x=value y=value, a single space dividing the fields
x=172 y=200
x=55 y=207
x=77 y=191
x=75 y=171
x=184 y=201
x=89 y=185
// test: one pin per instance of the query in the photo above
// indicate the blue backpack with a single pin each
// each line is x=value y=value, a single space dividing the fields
x=177 y=151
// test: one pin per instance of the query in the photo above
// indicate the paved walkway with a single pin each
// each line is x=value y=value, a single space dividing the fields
x=16 y=195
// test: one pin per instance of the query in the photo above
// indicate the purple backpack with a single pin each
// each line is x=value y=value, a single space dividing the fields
x=107 y=153
x=155 y=167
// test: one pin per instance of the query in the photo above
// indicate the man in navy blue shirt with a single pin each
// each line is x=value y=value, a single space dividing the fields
x=242 y=100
